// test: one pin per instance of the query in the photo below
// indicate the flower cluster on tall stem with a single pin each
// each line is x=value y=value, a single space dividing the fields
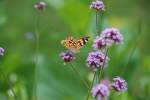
x=98 y=58
x=100 y=91
x=67 y=56
x=107 y=38
x=40 y=5
x=97 y=5
x=119 y=84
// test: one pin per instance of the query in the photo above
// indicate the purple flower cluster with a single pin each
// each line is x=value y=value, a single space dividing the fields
x=97 y=5
x=103 y=89
x=40 y=6
x=67 y=56
x=112 y=34
x=107 y=38
x=96 y=60
x=100 y=91
x=1 y=51
x=119 y=84
x=100 y=43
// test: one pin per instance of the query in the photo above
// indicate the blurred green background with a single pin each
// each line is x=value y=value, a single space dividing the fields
x=55 y=81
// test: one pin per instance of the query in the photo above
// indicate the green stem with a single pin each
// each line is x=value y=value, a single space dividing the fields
x=36 y=57
x=97 y=23
x=101 y=69
x=91 y=86
x=77 y=72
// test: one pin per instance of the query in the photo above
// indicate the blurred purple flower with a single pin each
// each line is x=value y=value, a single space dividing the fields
x=40 y=6
x=113 y=35
x=2 y=51
x=100 y=43
x=67 y=56
x=119 y=84
x=97 y=5
x=100 y=91
x=29 y=35
x=96 y=60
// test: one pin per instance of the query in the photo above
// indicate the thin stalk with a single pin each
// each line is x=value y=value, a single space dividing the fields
x=101 y=69
x=77 y=72
x=91 y=86
x=36 y=56
x=97 y=22
x=99 y=74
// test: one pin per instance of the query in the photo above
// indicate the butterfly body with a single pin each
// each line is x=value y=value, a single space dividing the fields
x=74 y=45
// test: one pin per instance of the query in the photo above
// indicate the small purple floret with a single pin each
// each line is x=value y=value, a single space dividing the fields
x=119 y=84
x=2 y=51
x=112 y=34
x=97 y=5
x=100 y=91
x=67 y=56
x=96 y=60
x=40 y=6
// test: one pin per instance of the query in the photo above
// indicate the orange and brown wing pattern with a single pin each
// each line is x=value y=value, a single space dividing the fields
x=73 y=44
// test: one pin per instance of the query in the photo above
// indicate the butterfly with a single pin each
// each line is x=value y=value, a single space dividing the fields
x=75 y=45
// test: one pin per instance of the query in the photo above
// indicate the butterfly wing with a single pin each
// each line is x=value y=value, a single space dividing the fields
x=71 y=44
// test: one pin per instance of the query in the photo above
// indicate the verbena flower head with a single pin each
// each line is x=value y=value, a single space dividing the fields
x=67 y=56
x=1 y=51
x=113 y=35
x=100 y=91
x=119 y=84
x=96 y=60
x=97 y=5
x=40 y=6
x=100 y=42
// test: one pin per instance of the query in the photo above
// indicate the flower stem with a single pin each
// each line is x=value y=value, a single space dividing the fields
x=96 y=22
x=77 y=72
x=101 y=69
x=36 y=56
x=91 y=86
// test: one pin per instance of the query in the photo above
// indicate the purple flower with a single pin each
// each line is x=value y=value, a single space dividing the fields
x=96 y=60
x=1 y=51
x=100 y=91
x=97 y=5
x=119 y=84
x=40 y=6
x=67 y=56
x=113 y=35
x=100 y=42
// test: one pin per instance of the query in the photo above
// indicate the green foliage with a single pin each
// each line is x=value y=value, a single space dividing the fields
x=62 y=17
